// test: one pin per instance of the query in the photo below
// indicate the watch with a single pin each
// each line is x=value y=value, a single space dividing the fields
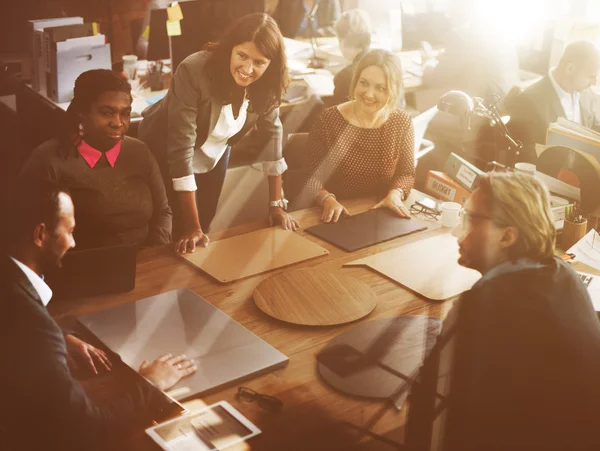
x=281 y=203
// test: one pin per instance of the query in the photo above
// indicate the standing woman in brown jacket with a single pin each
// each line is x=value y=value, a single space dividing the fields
x=216 y=96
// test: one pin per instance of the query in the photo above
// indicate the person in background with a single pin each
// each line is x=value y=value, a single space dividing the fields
x=516 y=365
x=44 y=407
x=353 y=30
x=217 y=96
x=114 y=180
x=291 y=15
x=364 y=147
x=563 y=92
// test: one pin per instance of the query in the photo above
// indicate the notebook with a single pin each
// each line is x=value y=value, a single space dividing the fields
x=94 y=272
x=352 y=233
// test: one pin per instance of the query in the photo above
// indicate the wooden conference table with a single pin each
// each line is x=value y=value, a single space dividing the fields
x=313 y=414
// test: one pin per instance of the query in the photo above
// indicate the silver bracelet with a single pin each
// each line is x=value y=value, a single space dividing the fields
x=401 y=191
x=326 y=196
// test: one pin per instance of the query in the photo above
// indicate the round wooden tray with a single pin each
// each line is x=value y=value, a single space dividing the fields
x=314 y=298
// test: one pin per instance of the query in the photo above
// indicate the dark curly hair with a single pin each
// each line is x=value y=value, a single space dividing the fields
x=89 y=86
x=265 y=93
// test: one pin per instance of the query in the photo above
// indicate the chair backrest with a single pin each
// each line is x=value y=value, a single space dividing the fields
x=420 y=123
x=295 y=149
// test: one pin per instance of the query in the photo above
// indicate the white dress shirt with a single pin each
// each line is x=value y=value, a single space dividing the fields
x=42 y=288
x=569 y=102
x=206 y=158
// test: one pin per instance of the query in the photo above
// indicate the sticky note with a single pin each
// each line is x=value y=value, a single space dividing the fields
x=173 y=28
x=174 y=12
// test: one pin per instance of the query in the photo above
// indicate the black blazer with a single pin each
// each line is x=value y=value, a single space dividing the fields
x=516 y=367
x=534 y=109
x=43 y=407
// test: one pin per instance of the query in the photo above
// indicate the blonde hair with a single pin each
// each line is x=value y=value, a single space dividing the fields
x=391 y=67
x=523 y=202
x=354 y=28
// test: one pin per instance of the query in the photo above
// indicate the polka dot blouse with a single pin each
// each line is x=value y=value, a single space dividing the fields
x=351 y=161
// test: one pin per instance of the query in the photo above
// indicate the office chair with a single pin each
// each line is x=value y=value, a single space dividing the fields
x=296 y=176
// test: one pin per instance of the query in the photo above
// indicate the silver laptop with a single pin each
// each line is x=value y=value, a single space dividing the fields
x=181 y=322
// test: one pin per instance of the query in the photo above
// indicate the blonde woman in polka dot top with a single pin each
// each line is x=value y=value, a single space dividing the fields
x=364 y=147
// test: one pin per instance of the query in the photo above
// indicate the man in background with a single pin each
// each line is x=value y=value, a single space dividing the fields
x=563 y=92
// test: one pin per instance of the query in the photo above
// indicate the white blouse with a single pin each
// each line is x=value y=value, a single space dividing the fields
x=206 y=158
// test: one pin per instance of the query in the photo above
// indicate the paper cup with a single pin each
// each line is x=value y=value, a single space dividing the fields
x=130 y=66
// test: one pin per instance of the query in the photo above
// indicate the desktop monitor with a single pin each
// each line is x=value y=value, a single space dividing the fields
x=203 y=21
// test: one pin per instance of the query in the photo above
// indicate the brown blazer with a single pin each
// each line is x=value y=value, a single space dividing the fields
x=179 y=124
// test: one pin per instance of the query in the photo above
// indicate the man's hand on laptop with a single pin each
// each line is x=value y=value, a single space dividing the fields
x=85 y=354
x=167 y=370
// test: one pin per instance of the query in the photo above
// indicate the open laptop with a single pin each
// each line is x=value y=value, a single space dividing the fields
x=93 y=272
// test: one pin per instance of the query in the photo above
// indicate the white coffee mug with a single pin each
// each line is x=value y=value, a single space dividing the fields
x=525 y=168
x=451 y=212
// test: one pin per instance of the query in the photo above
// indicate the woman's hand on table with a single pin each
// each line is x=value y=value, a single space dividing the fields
x=278 y=216
x=189 y=240
x=167 y=370
x=393 y=201
x=332 y=210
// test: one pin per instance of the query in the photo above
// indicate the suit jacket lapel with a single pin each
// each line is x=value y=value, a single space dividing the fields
x=20 y=280
x=556 y=108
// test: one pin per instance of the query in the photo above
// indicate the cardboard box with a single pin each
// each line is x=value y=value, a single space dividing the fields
x=70 y=59
x=441 y=186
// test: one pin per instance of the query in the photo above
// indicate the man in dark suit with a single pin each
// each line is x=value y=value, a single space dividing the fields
x=43 y=406
x=563 y=92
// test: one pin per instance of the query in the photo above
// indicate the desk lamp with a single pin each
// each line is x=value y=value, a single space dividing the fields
x=465 y=107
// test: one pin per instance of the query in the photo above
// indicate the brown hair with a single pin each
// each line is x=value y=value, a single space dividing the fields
x=521 y=201
x=391 y=67
x=265 y=93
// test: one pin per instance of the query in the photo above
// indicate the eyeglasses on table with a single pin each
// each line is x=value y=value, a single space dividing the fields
x=267 y=402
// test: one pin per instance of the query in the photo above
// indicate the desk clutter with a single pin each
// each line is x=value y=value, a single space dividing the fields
x=428 y=267
x=253 y=253
x=181 y=322
x=310 y=297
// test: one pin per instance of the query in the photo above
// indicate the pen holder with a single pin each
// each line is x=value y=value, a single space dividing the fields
x=572 y=232
x=155 y=81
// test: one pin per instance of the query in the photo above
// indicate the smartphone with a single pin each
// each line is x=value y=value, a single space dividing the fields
x=428 y=203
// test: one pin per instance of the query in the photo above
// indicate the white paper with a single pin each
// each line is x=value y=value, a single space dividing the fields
x=587 y=250
x=592 y=283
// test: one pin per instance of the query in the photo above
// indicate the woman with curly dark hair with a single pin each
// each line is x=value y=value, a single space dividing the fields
x=216 y=96
x=114 y=180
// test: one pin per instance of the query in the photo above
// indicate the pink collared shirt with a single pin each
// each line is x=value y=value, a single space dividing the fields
x=91 y=155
